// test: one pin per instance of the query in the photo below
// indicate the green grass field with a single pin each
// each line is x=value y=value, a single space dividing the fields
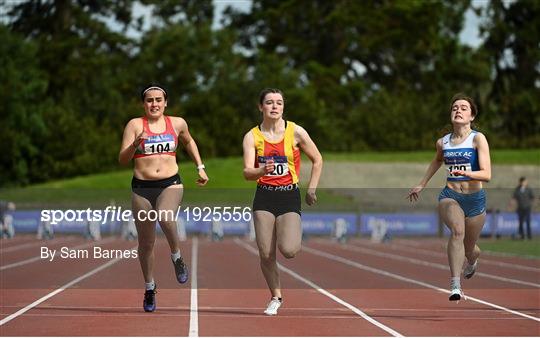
x=227 y=184
x=223 y=172
x=510 y=246
x=499 y=156
x=227 y=172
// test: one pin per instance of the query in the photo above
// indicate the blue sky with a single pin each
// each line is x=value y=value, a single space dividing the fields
x=468 y=36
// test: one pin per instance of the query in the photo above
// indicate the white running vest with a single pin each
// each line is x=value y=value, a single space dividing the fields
x=461 y=156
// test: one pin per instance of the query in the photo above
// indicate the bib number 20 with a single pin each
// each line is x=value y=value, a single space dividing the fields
x=279 y=169
x=281 y=165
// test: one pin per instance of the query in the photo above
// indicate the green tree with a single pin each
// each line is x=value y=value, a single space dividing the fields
x=399 y=59
x=512 y=38
x=22 y=92
x=82 y=64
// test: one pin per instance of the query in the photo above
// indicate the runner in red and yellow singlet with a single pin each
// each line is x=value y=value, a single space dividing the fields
x=272 y=158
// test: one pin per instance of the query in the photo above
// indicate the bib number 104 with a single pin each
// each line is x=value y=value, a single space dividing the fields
x=154 y=148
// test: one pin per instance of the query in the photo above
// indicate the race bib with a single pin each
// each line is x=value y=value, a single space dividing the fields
x=156 y=144
x=458 y=159
x=453 y=167
x=281 y=165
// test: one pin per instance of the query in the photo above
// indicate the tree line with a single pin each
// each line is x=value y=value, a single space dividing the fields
x=358 y=75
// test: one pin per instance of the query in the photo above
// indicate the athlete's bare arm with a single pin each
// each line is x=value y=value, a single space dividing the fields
x=181 y=127
x=250 y=172
x=306 y=144
x=133 y=136
x=431 y=170
x=484 y=161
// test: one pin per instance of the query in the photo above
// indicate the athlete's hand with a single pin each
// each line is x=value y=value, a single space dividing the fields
x=414 y=193
x=203 y=178
x=269 y=166
x=141 y=137
x=459 y=173
x=311 y=197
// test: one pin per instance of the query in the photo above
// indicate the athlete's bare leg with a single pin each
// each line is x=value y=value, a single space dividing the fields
x=473 y=228
x=454 y=218
x=265 y=234
x=289 y=234
x=146 y=235
x=167 y=206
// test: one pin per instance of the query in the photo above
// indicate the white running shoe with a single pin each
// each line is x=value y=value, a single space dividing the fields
x=456 y=294
x=272 y=307
x=470 y=269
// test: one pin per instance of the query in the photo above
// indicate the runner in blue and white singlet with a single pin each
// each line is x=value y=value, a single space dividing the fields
x=461 y=156
x=462 y=202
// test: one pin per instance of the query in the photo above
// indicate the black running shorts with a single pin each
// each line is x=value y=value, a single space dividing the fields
x=151 y=189
x=277 y=200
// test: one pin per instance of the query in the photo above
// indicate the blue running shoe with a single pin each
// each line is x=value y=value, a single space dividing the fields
x=181 y=270
x=149 y=303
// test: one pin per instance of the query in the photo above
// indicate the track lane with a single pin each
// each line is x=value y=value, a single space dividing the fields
x=409 y=296
x=233 y=295
x=109 y=303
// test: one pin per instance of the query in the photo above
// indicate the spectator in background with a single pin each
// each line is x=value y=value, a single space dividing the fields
x=45 y=230
x=523 y=199
x=3 y=209
x=8 y=230
x=129 y=230
x=93 y=231
x=339 y=230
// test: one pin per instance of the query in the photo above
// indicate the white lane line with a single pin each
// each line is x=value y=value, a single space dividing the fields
x=432 y=265
x=439 y=254
x=41 y=243
x=8 y=242
x=415 y=243
x=282 y=314
x=324 y=292
x=60 y=289
x=193 y=312
x=406 y=279
x=229 y=308
x=38 y=258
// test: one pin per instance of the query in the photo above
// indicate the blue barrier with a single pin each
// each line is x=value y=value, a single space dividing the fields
x=28 y=221
x=401 y=223
x=324 y=223
x=504 y=223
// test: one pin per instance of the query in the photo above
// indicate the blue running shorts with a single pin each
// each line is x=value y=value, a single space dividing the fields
x=472 y=204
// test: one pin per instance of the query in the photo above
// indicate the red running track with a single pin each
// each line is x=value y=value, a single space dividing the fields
x=329 y=289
